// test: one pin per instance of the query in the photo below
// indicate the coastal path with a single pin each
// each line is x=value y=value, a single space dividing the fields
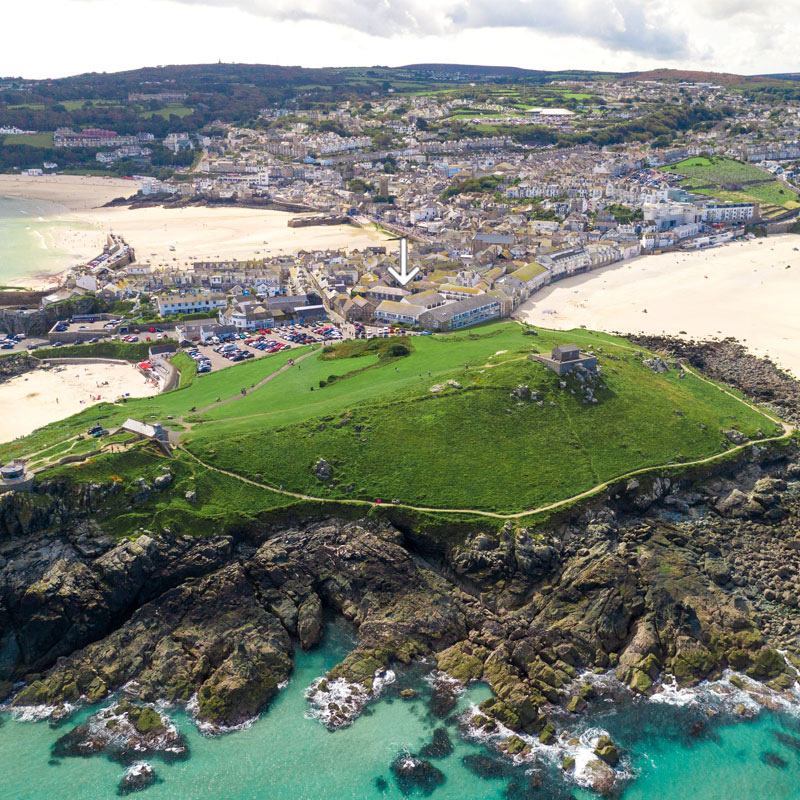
x=787 y=428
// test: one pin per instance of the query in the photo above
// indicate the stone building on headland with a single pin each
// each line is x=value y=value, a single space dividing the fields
x=14 y=477
x=566 y=358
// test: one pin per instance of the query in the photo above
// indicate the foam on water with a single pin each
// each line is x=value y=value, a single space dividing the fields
x=287 y=753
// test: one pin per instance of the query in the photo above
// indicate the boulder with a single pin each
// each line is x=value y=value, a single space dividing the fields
x=440 y=747
x=605 y=749
x=718 y=570
x=139 y=776
x=657 y=364
x=413 y=773
x=309 y=622
x=599 y=776
x=124 y=732
x=487 y=767
x=322 y=470
x=733 y=503
x=522 y=392
x=732 y=435
x=162 y=481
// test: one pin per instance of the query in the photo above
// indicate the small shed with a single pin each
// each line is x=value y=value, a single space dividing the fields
x=565 y=352
x=145 y=431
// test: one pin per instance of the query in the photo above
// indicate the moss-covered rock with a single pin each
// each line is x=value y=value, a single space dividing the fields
x=640 y=681
x=463 y=661
x=576 y=703
x=767 y=664
x=606 y=750
x=693 y=663
x=514 y=745
x=738 y=658
x=548 y=734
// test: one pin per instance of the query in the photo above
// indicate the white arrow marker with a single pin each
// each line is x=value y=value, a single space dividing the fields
x=404 y=276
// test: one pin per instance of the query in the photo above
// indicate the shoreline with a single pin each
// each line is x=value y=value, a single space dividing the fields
x=53 y=209
x=170 y=237
x=42 y=396
x=742 y=290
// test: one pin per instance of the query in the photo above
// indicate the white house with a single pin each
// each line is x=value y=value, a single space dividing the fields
x=729 y=212
x=190 y=302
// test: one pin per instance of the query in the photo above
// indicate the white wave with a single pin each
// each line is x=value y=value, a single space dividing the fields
x=42 y=712
x=40 y=237
x=340 y=703
x=212 y=729
x=726 y=695
x=575 y=744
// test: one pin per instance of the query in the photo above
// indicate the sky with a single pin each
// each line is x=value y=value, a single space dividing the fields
x=55 y=38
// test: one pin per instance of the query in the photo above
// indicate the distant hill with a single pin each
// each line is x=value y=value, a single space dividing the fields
x=695 y=76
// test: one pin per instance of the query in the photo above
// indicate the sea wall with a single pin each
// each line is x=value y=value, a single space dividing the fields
x=37 y=322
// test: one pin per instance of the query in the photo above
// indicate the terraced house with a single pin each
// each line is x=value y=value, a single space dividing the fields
x=190 y=302
x=463 y=313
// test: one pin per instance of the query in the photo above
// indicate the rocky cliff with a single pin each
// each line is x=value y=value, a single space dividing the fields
x=676 y=574
x=33 y=321
x=681 y=577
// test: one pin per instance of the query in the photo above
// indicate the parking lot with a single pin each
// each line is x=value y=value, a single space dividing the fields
x=235 y=348
x=12 y=344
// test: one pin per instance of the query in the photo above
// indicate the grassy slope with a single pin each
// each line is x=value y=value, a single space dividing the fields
x=111 y=348
x=456 y=449
x=701 y=172
x=187 y=368
x=221 y=503
x=32 y=140
x=475 y=448
x=203 y=391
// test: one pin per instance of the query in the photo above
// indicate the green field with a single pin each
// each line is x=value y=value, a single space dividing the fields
x=715 y=177
x=173 y=109
x=473 y=447
x=31 y=139
x=368 y=411
x=701 y=170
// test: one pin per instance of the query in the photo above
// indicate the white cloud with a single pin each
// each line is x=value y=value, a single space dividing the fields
x=62 y=37
x=639 y=26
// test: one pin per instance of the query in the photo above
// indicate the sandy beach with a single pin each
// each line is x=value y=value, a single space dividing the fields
x=167 y=236
x=37 y=398
x=747 y=290
x=205 y=234
x=74 y=192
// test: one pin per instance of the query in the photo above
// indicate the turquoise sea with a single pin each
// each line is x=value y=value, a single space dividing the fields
x=674 y=753
x=27 y=245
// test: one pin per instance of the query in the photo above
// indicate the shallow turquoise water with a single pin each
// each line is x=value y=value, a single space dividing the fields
x=286 y=755
x=26 y=241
